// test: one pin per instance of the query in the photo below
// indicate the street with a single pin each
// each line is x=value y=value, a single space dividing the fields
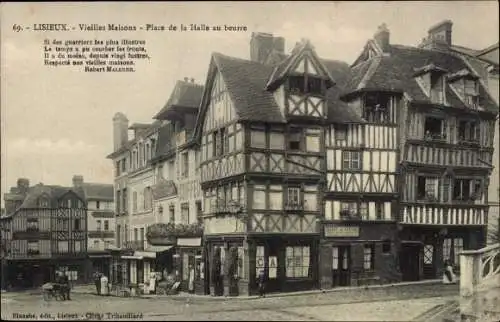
x=370 y=305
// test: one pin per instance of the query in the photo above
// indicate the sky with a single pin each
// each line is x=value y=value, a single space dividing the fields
x=57 y=122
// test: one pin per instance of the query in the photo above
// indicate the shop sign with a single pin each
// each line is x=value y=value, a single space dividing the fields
x=273 y=266
x=333 y=230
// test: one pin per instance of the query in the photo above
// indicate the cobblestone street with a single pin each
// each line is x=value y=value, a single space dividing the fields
x=382 y=304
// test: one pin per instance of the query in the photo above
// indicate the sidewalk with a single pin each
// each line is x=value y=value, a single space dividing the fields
x=349 y=291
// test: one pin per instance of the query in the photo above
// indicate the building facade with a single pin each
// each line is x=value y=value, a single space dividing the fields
x=45 y=230
x=100 y=222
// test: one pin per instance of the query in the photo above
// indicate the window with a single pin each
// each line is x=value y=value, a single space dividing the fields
x=428 y=254
x=352 y=160
x=98 y=225
x=335 y=258
x=142 y=235
x=117 y=168
x=148 y=199
x=363 y=210
x=471 y=96
x=259 y=197
x=294 y=143
x=296 y=84
x=276 y=141
x=124 y=165
x=171 y=214
x=437 y=88
x=185 y=164
x=221 y=142
x=376 y=109
x=241 y=265
x=351 y=209
x=310 y=201
x=458 y=246
x=136 y=234
x=134 y=201
x=276 y=197
x=96 y=244
x=297 y=261
x=379 y=210
x=340 y=132
x=106 y=225
x=313 y=140
x=293 y=197
x=462 y=189
x=43 y=202
x=97 y=205
x=427 y=188
x=258 y=139
x=313 y=85
x=434 y=129
x=185 y=213
x=259 y=260
x=368 y=257
x=77 y=224
x=63 y=246
x=125 y=200
x=32 y=224
x=160 y=171
x=119 y=235
x=33 y=248
x=468 y=131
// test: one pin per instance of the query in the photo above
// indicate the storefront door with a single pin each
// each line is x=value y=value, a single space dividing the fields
x=341 y=260
x=428 y=258
x=409 y=260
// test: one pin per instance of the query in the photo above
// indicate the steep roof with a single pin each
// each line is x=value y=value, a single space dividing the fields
x=395 y=72
x=98 y=191
x=52 y=192
x=147 y=130
x=185 y=95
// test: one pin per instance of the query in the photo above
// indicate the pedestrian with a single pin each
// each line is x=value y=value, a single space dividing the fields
x=97 y=281
x=66 y=287
x=448 y=274
x=191 y=279
x=261 y=281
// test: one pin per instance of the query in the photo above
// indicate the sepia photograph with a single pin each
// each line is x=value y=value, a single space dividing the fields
x=250 y=161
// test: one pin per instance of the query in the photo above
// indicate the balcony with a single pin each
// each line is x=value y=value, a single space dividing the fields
x=350 y=215
x=134 y=245
x=429 y=136
x=294 y=206
x=163 y=234
x=101 y=234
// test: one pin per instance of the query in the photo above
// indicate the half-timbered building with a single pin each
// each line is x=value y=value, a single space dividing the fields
x=361 y=193
x=47 y=231
x=260 y=129
x=445 y=120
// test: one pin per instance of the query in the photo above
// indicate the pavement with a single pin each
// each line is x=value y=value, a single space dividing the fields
x=401 y=302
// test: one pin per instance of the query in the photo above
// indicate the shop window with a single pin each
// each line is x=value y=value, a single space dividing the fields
x=297 y=261
x=259 y=260
x=185 y=266
x=369 y=257
x=241 y=264
x=335 y=258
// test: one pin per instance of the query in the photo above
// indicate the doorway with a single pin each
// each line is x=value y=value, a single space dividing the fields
x=409 y=261
x=428 y=258
x=341 y=265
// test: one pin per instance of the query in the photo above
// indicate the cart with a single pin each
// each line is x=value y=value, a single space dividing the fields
x=52 y=291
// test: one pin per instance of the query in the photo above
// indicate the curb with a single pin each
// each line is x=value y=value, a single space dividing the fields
x=208 y=298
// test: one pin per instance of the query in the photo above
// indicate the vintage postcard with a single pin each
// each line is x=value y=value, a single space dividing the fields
x=250 y=161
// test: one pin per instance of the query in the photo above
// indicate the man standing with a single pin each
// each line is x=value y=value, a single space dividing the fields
x=97 y=281
x=66 y=287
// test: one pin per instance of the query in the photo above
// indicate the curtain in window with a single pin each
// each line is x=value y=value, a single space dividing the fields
x=259 y=260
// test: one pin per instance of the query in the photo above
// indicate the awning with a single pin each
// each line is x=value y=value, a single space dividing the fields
x=158 y=249
x=189 y=241
x=100 y=256
x=131 y=257
x=145 y=254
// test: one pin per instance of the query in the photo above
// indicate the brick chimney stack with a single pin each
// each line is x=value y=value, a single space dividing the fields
x=263 y=44
x=77 y=181
x=439 y=36
x=382 y=38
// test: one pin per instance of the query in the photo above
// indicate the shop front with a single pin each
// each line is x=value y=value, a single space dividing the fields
x=189 y=263
x=424 y=249
x=358 y=253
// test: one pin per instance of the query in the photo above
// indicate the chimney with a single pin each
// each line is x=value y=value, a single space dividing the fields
x=279 y=44
x=120 y=130
x=439 y=36
x=382 y=38
x=22 y=185
x=261 y=45
x=77 y=181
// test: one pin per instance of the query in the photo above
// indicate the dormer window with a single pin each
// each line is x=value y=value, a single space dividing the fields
x=437 y=88
x=376 y=109
x=431 y=80
x=467 y=87
x=468 y=131
x=304 y=84
x=434 y=129
x=43 y=202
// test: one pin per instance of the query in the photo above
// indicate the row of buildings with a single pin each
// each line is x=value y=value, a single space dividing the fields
x=48 y=227
x=319 y=173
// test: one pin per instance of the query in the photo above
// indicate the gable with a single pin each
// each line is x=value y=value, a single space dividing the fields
x=220 y=108
x=306 y=65
x=369 y=51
